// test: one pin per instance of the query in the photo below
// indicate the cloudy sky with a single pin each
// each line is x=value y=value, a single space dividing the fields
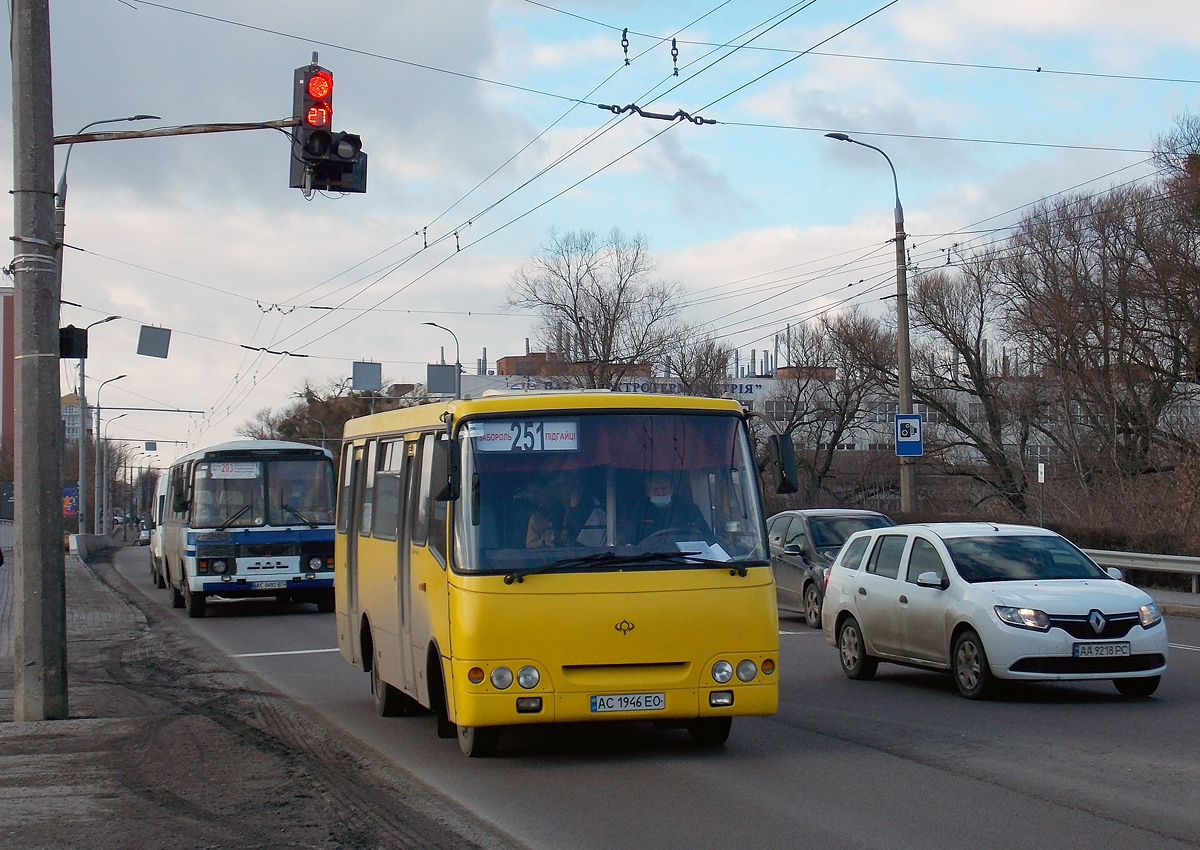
x=480 y=118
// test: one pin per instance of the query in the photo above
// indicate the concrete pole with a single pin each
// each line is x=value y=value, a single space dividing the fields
x=908 y=472
x=40 y=626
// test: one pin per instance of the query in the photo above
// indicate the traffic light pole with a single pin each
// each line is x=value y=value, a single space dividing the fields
x=183 y=130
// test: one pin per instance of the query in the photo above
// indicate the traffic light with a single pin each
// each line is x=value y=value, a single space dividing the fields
x=312 y=108
x=321 y=158
x=344 y=167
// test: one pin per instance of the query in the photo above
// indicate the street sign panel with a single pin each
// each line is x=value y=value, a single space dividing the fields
x=909 y=442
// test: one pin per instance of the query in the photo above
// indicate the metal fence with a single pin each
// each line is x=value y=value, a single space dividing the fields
x=1184 y=567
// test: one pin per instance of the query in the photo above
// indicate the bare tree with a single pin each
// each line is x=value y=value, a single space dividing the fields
x=598 y=303
x=981 y=412
x=700 y=362
x=1102 y=300
x=317 y=415
x=825 y=394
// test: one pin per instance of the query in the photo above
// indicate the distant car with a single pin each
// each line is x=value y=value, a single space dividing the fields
x=143 y=536
x=988 y=602
x=803 y=546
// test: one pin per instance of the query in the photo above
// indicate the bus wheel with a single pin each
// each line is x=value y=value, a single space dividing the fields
x=710 y=731
x=326 y=603
x=387 y=698
x=478 y=741
x=196 y=603
x=176 y=594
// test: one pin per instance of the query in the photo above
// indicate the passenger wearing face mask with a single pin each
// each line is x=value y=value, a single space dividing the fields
x=666 y=509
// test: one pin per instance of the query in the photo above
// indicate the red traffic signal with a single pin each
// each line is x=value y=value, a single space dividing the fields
x=318 y=103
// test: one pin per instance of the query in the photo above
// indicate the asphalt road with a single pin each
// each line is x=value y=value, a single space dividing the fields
x=902 y=761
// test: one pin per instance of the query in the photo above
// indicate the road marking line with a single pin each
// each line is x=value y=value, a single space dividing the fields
x=1184 y=646
x=289 y=652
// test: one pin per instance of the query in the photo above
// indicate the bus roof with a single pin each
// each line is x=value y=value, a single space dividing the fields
x=431 y=415
x=234 y=446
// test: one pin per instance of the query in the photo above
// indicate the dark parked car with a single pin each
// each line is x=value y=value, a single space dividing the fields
x=803 y=546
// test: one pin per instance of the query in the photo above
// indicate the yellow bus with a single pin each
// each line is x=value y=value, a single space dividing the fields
x=546 y=558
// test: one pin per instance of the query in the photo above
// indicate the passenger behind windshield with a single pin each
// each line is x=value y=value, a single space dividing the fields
x=565 y=516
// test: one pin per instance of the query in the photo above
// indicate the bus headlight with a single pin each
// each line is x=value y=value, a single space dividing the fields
x=528 y=677
x=502 y=677
x=219 y=566
x=722 y=672
x=747 y=670
x=315 y=563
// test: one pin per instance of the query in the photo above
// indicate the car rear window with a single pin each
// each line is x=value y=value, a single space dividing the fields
x=853 y=554
x=831 y=532
x=1019 y=558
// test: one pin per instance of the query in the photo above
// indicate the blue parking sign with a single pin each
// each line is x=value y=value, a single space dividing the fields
x=908 y=435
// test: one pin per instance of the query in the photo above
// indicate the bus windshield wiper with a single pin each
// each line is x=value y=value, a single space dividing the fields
x=613 y=559
x=224 y=525
x=298 y=515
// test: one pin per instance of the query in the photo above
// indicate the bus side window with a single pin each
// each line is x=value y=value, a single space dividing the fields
x=418 y=493
x=437 y=509
x=346 y=488
x=388 y=483
x=366 y=516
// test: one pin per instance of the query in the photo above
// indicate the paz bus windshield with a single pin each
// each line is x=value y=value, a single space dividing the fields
x=250 y=493
x=599 y=491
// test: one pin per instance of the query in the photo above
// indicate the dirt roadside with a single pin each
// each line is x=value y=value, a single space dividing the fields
x=199 y=754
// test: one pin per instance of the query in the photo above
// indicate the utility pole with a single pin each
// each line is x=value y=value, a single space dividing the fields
x=40 y=623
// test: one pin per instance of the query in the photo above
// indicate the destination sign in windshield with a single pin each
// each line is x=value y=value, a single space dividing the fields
x=525 y=435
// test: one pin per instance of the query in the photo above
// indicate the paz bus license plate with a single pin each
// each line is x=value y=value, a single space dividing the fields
x=629 y=702
x=1101 y=650
x=269 y=585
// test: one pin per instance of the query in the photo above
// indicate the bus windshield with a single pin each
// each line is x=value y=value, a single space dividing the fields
x=250 y=493
x=600 y=491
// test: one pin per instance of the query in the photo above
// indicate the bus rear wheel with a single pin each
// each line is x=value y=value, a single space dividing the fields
x=177 y=600
x=387 y=698
x=478 y=741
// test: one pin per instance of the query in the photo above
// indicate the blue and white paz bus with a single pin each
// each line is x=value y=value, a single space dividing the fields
x=249 y=518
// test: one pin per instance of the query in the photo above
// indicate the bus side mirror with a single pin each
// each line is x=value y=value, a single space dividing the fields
x=180 y=505
x=783 y=463
x=447 y=455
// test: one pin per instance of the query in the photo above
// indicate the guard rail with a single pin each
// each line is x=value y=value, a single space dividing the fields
x=1179 y=565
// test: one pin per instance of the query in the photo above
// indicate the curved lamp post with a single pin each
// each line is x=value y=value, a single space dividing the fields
x=107 y=512
x=99 y=456
x=83 y=423
x=457 y=364
x=903 y=359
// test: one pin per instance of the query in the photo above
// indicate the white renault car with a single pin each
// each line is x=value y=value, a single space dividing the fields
x=988 y=602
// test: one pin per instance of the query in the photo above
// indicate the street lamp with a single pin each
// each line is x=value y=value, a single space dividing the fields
x=99 y=505
x=322 y=424
x=903 y=360
x=457 y=364
x=83 y=423
x=107 y=512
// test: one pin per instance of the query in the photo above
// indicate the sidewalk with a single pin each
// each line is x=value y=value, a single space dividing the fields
x=170 y=744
